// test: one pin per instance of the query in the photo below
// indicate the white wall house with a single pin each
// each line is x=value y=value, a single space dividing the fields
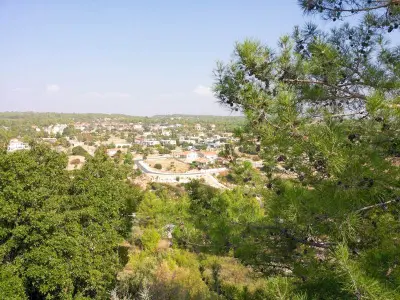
x=168 y=142
x=112 y=152
x=166 y=133
x=210 y=155
x=16 y=145
x=151 y=142
x=188 y=156
x=54 y=129
x=138 y=127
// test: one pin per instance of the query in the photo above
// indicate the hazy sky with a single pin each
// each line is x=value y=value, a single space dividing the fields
x=134 y=57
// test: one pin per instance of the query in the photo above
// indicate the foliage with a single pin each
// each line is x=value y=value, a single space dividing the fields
x=323 y=107
x=163 y=150
x=150 y=239
x=59 y=235
x=158 y=166
x=128 y=159
x=78 y=150
x=190 y=270
x=383 y=14
x=70 y=131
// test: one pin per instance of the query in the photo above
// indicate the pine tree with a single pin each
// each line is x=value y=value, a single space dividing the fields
x=324 y=107
x=383 y=14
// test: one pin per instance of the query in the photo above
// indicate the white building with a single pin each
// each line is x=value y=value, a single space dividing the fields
x=138 y=127
x=210 y=155
x=168 y=142
x=54 y=129
x=188 y=156
x=166 y=133
x=112 y=152
x=197 y=127
x=16 y=145
x=151 y=142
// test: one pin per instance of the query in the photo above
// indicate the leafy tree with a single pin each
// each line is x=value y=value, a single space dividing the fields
x=118 y=157
x=137 y=148
x=228 y=152
x=111 y=146
x=69 y=131
x=158 y=166
x=128 y=158
x=63 y=142
x=78 y=150
x=325 y=107
x=59 y=235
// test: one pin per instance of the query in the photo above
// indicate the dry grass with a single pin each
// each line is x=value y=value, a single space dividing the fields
x=169 y=165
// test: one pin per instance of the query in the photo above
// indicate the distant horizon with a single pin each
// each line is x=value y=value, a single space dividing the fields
x=236 y=115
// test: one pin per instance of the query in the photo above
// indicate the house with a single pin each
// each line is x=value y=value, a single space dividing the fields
x=138 y=127
x=197 y=127
x=168 y=142
x=16 y=145
x=210 y=155
x=37 y=129
x=139 y=140
x=166 y=133
x=202 y=162
x=188 y=156
x=112 y=152
x=151 y=142
x=81 y=126
x=155 y=127
x=56 y=129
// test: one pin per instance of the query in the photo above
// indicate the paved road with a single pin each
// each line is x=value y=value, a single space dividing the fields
x=169 y=177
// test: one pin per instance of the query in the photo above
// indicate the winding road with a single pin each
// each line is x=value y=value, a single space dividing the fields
x=168 y=177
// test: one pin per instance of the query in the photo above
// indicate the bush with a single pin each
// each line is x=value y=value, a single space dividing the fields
x=75 y=161
x=150 y=239
x=78 y=150
x=158 y=166
x=164 y=151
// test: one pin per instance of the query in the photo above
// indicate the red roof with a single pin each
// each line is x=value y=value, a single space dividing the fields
x=186 y=152
x=209 y=153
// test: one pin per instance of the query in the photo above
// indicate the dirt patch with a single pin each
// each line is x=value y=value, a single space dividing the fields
x=75 y=162
x=169 y=165
x=141 y=181
x=163 y=245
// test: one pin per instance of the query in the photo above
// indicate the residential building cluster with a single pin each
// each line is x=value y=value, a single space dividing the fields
x=187 y=141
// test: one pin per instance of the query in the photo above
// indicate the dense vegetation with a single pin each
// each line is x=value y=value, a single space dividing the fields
x=60 y=234
x=325 y=106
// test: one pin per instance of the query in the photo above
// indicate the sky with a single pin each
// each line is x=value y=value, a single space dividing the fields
x=132 y=57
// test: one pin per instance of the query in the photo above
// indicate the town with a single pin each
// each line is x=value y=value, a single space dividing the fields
x=166 y=150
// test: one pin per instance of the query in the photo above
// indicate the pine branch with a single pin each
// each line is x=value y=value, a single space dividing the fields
x=285 y=232
x=383 y=205
x=319 y=82
x=364 y=9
